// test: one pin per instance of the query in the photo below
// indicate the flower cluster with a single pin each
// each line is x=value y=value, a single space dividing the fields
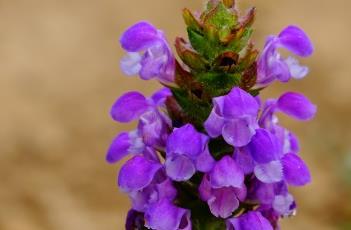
x=207 y=152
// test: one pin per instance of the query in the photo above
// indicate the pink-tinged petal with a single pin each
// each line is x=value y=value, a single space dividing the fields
x=139 y=37
x=244 y=159
x=270 y=172
x=166 y=216
x=297 y=106
x=205 y=162
x=137 y=173
x=295 y=170
x=205 y=189
x=185 y=141
x=282 y=204
x=226 y=173
x=118 y=148
x=214 y=124
x=223 y=202
x=239 y=132
x=239 y=103
x=241 y=193
x=296 y=40
x=264 y=146
x=180 y=168
x=252 y=220
x=129 y=107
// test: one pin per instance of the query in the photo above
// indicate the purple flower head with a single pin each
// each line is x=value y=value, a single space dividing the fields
x=187 y=152
x=234 y=116
x=272 y=66
x=164 y=215
x=252 y=220
x=223 y=187
x=149 y=54
x=146 y=182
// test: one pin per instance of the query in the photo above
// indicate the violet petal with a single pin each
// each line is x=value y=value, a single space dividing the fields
x=226 y=173
x=118 y=148
x=297 y=106
x=295 y=170
x=137 y=173
x=129 y=107
x=295 y=40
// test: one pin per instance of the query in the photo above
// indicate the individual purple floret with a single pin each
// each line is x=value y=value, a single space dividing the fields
x=250 y=221
x=187 y=152
x=153 y=125
x=234 y=116
x=164 y=215
x=149 y=54
x=223 y=187
x=146 y=183
x=271 y=66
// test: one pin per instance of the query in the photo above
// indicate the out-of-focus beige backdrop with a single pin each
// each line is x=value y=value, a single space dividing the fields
x=59 y=75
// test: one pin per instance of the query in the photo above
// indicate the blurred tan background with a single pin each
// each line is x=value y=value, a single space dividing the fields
x=59 y=75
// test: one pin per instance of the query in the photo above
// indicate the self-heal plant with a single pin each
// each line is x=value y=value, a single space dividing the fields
x=208 y=153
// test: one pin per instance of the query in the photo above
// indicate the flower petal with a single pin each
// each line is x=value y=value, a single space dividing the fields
x=296 y=70
x=295 y=170
x=226 y=173
x=180 y=168
x=119 y=148
x=282 y=204
x=297 y=106
x=239 y=132
x=214 y=124
x=295 y=40
x=137 y=173
x=139 y=37
x=129 y=107
x=165 y=216
x=160 y=96
x=269 y=173
x=252 y=220
x=264 y=146
x=185 y=141
x=223 y=202
x=130 y=64
x=244 y=159
x=205 y=162
x=239 y=103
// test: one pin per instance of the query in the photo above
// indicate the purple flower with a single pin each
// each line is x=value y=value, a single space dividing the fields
x=293 y=104
x=264 y=157
x=149 y=54
x=274 y=198
x=153 y=125
x=164 y=215
x=252 y=220
x=187 y=152
x=272 y=66
x=234 y=116
x=146 y=182
x=223 y=187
